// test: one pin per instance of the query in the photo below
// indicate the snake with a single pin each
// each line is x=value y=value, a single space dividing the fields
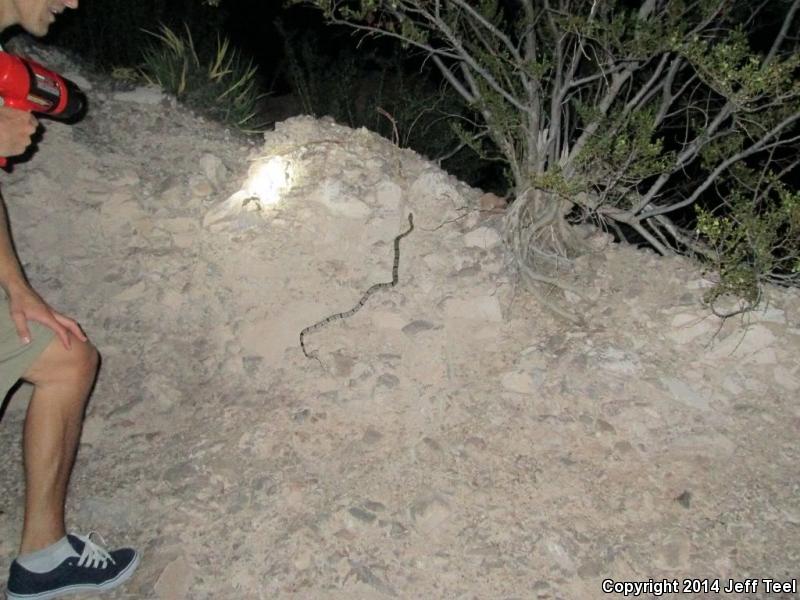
x=378 y=286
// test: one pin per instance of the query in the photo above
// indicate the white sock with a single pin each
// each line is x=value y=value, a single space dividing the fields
x=49 y=558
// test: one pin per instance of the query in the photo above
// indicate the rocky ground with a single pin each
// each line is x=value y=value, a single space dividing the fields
x=455 y=438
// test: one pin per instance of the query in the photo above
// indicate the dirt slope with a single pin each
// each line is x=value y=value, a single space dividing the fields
x=456 y=441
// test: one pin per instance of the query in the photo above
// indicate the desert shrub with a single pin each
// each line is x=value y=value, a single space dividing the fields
x=221 y=85
x=753 y=241
x=629 y=113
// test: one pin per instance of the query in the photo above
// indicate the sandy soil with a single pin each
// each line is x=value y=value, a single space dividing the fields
x=456 y=441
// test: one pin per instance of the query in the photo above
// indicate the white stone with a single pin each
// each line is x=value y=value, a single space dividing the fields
x=428 y=513
x=699 y=284
x=388 y=195
x=149 y=94
x=559 y=554
x=115 y=203
x=684 y=393
x=482 y=237
x=687 y=327
x=786 y=379
x=521 y=382
x=770 y=315
x=200 y=186
x=792 y=516
x=743 y=344
x=731 y=385
x=213 y=168
x=228 y=210
x=618 y=361
x=431 y=189
x=766 y=356
x=175 y=580
x=330 y=194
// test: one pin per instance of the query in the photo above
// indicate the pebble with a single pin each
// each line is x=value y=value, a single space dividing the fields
x=387 y=381
x=699 y=284
x=200 y=186
x=417 y=326
x=559 y=554
x=372 y=436
x=475 y=443
x=175 y=580
x=365 y=574
x=685 y=499
x=619 y=361
x=338 y=200
x=213 y=169
x=684 y=393
x=522 y=382
x=786 y=378
x=304 y=559
x=149 y=95
x=491 y=202
x=745 y=345
x=770 y=314
x=687 y=327
x=482 y=237
x=388 y=196
x=362 y=515
x=673 y=553
x=429 y=512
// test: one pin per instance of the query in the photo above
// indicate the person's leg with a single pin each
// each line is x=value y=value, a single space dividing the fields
x=63 y=380
x=52 y=562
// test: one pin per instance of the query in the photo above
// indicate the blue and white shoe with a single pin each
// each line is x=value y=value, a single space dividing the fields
x=91 y=569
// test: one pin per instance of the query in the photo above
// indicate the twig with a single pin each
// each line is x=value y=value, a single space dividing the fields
x=395 y=132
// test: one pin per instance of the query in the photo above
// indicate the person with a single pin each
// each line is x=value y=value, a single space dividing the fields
x=49 y=350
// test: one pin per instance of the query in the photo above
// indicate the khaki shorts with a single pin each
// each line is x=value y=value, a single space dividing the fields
x=16 y=357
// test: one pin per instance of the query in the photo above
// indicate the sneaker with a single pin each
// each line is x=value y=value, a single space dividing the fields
x=91 y=569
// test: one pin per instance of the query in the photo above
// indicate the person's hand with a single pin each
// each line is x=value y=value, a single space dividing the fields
x=26 y=305
x=16 y=129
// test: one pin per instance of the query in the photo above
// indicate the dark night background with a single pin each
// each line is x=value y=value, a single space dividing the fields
x=350 y=81
x=110 y=33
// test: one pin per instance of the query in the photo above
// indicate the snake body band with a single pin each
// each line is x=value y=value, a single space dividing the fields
x=367 y=294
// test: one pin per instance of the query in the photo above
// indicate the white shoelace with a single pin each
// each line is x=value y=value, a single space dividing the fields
x=93 y=555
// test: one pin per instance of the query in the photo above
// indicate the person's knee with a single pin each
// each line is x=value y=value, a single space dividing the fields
x=82 y=361
x=77 y=365
x=88 y=359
